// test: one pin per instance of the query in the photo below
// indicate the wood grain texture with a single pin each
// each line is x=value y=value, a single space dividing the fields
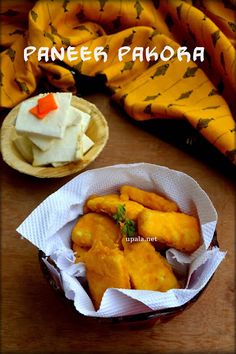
x=97 y=131
x=35 y=320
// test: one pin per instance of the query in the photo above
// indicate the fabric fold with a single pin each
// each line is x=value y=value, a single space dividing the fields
x=201 y=92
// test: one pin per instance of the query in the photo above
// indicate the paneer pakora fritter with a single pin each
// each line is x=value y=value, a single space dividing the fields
x=105 y=268
x=148 y=270
x=147 y=199
x=103 y=238
x=79 y=252
x=93 y=227
x=176 y=230
x=108 y=204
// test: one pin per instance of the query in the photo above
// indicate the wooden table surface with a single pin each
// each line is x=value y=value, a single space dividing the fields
x=35 y=320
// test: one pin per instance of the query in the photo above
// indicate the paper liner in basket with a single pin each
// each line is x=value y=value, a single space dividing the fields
x=49 y=228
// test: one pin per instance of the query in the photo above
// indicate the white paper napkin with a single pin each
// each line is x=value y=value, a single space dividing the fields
x=49 y=227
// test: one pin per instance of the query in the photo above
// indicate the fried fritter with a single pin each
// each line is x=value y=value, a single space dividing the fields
x=148 y=199
x=105 y=268
x=92 y=227
x=148 y=270
x=85 y=207
x=79 y=252
x=108 y=204
x=177 y=230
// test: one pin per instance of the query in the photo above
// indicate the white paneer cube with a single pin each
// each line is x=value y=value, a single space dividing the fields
x=63 y=150
x=85 y=120
x=79 y=148
x=87 y=143
x=52 y=125
x=24 y=146
x=60 y=164
x=44 y=142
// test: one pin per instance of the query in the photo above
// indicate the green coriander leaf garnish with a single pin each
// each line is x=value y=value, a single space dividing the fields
x=120 y=213
x=128 y=227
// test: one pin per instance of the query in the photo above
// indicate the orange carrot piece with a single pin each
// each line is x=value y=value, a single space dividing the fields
x=47 y=104
x=36 y=113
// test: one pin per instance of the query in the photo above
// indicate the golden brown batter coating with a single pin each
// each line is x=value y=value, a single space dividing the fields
x=177 y=230
x=108 y=204
x=92 y=227
x=105 y=268
x=102 y=238
x=148 y=270
x=79 y=252
x=148 y=199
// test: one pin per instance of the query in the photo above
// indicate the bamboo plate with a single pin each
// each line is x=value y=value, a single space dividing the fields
x=97 y=131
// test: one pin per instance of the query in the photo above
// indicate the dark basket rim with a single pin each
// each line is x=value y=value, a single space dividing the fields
x=149 y=315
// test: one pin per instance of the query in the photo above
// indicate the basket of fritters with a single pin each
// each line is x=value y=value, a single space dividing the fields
x=128 y=242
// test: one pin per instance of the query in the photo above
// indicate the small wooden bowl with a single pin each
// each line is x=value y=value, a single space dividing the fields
x=97 y=131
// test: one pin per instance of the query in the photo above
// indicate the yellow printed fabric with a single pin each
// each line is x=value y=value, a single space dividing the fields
x=201 y=92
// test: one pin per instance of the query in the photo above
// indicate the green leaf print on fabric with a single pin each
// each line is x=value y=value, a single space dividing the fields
x=215 y=37
x=203 y=123
x=65 y=41
x=65 y=3
x=154 y=33
x=139 y=9
x=81 y=28
x=148 y=109
x=210 y=107
x=11 y=53
x=50 y=37
x=161 y=70
x=184 y=95
x=151 y=98
x=22 y=86
x=213 y=92
x=128 y=66
x=34 y=15
x=128 y=40
x=232 y=26
x=190 y=72
x=102 y=4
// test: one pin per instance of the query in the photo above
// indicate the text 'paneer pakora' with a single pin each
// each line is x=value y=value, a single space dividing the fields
x=103 y=239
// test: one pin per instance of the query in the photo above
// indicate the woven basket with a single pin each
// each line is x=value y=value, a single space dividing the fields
x=97 y=131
